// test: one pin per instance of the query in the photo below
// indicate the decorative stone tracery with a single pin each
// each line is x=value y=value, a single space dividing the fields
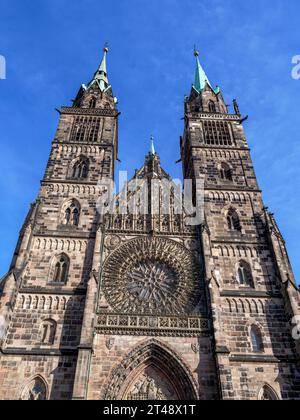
x=152 y=276
x=35 y=390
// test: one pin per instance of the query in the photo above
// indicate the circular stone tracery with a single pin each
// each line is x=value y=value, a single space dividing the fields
x=148 y=276
x=151 y=282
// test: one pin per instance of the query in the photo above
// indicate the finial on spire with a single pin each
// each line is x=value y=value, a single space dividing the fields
x=102 y=67
x=152 y=148
x=100 y=77
x=196 y=52
x=106 y=47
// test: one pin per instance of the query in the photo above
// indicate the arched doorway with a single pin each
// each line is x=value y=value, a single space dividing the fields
x=151 y=372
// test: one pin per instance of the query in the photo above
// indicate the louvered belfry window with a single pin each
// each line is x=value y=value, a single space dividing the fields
x=85 y=129
x=217 y=133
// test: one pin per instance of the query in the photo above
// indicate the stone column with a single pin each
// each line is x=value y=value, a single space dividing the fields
x=85 y=348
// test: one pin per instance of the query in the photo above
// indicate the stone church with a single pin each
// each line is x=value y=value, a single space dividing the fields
x=145 y=306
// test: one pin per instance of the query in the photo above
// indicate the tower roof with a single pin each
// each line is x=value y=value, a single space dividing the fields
x=201 y=78
x=152 y=148
x=100 y=77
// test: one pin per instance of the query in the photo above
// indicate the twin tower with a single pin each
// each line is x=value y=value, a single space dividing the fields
x=146 y=306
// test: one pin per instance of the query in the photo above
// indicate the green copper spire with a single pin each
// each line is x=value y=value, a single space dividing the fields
x=152 y=148
x=100 y=77
x=200 y=78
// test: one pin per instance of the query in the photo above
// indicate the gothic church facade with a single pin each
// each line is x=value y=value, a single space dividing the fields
x=145 y=306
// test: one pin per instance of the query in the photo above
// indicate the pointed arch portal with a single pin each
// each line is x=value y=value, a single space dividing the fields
x=151 y=372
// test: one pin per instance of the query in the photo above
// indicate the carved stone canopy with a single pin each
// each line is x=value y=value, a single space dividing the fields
x=152 y=276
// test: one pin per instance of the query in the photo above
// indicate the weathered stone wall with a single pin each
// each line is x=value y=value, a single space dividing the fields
x=16 y=371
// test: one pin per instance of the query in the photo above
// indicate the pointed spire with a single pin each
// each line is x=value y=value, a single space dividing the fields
x=100 y=77
x=152 y=148
x=201 y=78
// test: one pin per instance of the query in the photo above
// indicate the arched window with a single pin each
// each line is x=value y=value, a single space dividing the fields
x=256 y=339
x=48 y=331
x=128 y=222
x=140 y=223
x=75 y=217
x=267 y=394
x=35 y=390
x=212 y=107
x=225 y=172
x=233 y=221
x=165 y=224
x=79 y=133
x=61 y=269
x=67 y=216
x=93 y=103
x=245 y=274
x=80 y=168
x=72 y=214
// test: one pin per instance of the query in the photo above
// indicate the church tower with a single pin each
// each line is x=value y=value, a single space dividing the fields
x=136 y=302
x=44 y=294
x=251 y=287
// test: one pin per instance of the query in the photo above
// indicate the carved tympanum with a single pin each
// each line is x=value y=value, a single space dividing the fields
x=151 y=389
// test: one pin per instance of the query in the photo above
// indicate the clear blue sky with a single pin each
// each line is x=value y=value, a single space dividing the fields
x=52 y=46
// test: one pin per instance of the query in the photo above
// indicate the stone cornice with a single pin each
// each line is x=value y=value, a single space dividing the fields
x=52 y=291
x=64 y=234
x=217 y=117
x=145 y=232
x=260 y=358
x=68 y=181
x=94 y=112
x=146 y=325
x=218 y=147
x=39 y=352
x=233 y=189
x=238 y=241
x=249 y=294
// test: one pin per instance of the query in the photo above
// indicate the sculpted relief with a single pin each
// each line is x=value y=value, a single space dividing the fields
x=151 y=388
x=152 y=276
